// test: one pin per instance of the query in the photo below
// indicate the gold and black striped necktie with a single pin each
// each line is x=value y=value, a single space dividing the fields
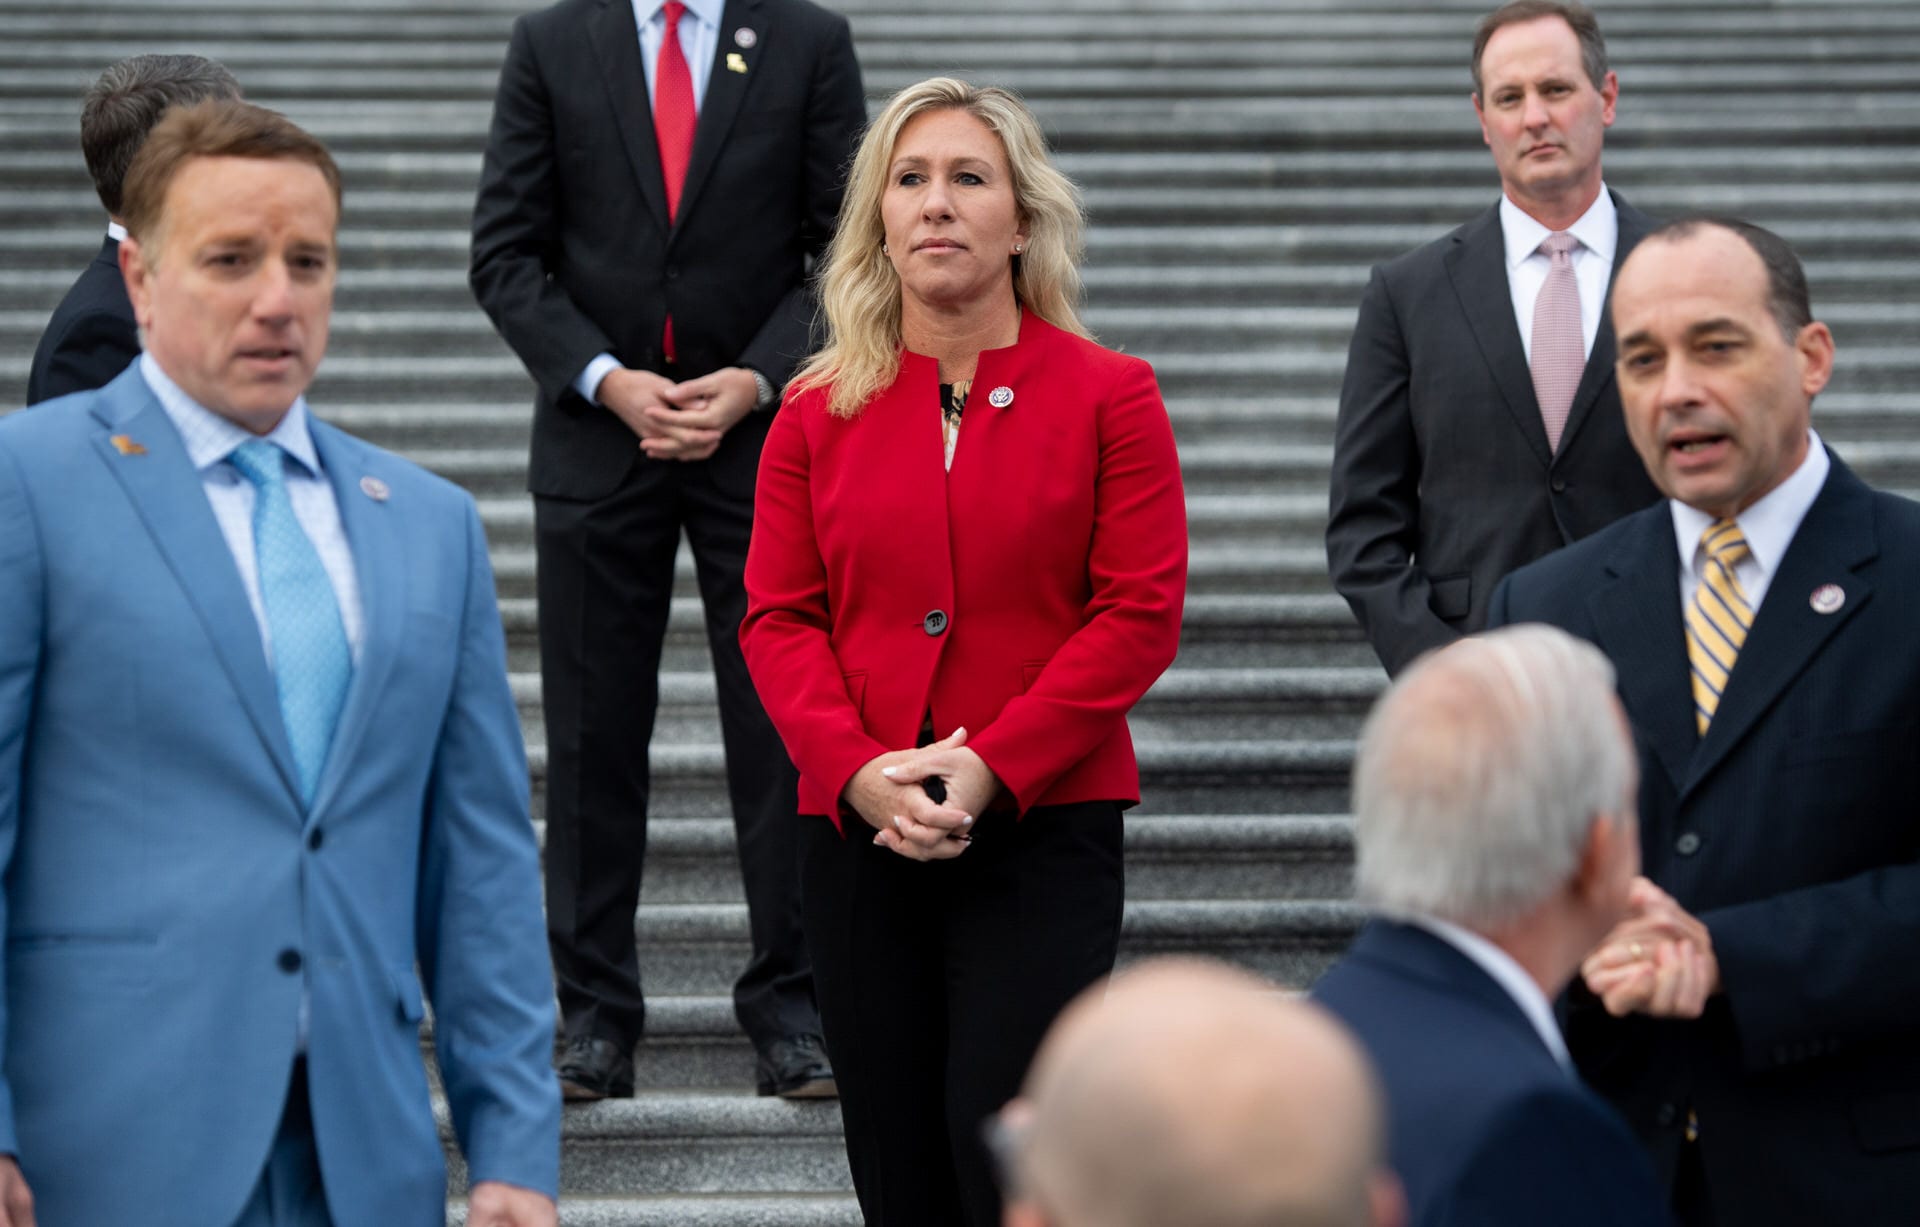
x=1718 y=619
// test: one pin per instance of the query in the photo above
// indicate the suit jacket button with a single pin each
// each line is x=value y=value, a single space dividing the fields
x=1559 y=485
x=1666 y=1114
x=935 y=622
x=314 y=840
x=289 y=961
x=1687 y=844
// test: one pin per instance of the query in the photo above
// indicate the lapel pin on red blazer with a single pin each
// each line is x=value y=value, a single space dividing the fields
x=744 y=38
x=374 y=489
x=1827 y=598
x=1000 y=397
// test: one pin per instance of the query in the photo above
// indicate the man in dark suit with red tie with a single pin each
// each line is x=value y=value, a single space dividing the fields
x=92 y=336
x=658 y=179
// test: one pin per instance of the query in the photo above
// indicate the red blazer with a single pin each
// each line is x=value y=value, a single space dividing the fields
x=1031 y=594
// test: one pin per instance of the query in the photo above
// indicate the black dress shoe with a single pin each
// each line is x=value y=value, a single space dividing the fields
x=795 y=1067
x=593 y=1068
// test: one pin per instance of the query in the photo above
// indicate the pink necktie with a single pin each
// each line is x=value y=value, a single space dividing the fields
x=1559 y=350
x=673 y=122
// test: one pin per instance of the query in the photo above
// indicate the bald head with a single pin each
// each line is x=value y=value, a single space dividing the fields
x=1199 y=1095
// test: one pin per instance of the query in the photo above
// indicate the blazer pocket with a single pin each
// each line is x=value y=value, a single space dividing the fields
x=1867 y=745
x=856 y=683
x=1452 y=596
x=407 y=996
x=1887 y=1122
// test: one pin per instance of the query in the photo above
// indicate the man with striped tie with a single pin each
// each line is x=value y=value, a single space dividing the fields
x=1757 y=1017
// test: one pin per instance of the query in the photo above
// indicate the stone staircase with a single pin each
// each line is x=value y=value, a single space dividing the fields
x=1245 y=161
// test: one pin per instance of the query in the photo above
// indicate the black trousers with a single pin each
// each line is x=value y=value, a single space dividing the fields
x=605 y=585
x=937 y=982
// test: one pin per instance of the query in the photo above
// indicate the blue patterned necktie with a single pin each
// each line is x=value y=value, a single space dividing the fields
x=311 y=664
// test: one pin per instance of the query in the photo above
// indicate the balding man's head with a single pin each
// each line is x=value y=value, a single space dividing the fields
x=1195 y=1094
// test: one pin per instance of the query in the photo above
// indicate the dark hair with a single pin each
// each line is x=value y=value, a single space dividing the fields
x=217 y=128
x=1787 y=296
x=129 y=99
x=1586 y=27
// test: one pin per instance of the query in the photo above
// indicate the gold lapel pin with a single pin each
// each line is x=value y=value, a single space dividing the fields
x=126 y=446
x=736 y=62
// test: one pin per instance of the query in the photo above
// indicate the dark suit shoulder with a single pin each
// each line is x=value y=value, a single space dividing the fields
x=1427 y=260
x=1555 y=1155
x=1567 y=574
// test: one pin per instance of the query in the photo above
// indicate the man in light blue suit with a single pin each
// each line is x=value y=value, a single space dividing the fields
x=261 y=778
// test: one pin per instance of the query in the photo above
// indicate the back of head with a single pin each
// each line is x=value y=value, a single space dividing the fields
x=1480 y=773
x=1196 y=1094
x=217 y=128
x=126 y=102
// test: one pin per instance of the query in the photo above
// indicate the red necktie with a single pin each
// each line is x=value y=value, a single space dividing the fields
x=673 y=121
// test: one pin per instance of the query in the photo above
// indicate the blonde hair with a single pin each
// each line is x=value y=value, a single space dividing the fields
x=860 y=291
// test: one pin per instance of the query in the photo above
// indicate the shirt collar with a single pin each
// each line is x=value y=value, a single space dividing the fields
x=1598 y=229
x=1509 y=975
x=707 y=11
x=210 y=438
x=116 y=231
x=1769 y=524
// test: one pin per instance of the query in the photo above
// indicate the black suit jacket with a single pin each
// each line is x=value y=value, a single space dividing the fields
x=91 y=336
x=1442 y=480
x=573 y=253
x=1791 y=831
x=1485 y=1127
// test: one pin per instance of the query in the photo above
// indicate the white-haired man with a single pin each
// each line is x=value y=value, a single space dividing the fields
x=1494 y=813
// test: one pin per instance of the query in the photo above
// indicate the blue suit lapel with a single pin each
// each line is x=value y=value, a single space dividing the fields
x=1637 y=623
x=1832 y=544
x=165 y=488
x=1411 y=952
x=379 y=564
x=1477 y=264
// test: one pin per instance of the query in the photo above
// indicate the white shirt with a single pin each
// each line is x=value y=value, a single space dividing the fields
x=699 y=34
x=116 y=232
x=1768 y=526
x=1598 y=231
x=209 y=440
x=1509 y=975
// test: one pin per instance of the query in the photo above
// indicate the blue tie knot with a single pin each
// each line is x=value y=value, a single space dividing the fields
x=260 y=462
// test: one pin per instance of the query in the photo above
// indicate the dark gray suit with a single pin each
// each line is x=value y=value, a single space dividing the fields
x=91 y=336
x=1442 y=478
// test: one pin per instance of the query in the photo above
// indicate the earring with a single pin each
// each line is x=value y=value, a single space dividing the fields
x=1016 y=249
x=883 y=249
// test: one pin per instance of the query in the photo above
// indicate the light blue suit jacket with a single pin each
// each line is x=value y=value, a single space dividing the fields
x=161 y=873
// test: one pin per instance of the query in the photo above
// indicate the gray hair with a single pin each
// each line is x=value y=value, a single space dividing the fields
x=128 y=100
x=1481 y=772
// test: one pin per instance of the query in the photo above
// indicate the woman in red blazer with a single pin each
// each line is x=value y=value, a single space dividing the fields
x=968 y=562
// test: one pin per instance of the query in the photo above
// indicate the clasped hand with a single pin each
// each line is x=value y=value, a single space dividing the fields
x=887 y=792
x=680 y=421
x=1659 y=961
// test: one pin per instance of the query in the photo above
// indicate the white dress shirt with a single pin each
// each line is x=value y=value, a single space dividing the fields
x=1768 y=526
x=209 y=440
x=1509 y=975
x=116 y=231
x=1599 y=233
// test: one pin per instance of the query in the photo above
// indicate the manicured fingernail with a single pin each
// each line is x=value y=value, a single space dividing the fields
x=967 y=821
x=886 y=771
x=897 y=824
